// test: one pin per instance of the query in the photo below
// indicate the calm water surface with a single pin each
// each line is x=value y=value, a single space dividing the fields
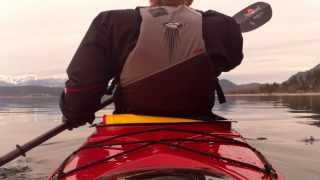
x=285 y=128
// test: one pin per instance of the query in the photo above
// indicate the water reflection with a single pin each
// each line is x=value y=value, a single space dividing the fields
x=309 y=104
x=307 y=107
x=28 y=105
x=303 y=104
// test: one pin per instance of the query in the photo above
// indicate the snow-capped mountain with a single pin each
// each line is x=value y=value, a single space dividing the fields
x=32 y=80
x=4 y=83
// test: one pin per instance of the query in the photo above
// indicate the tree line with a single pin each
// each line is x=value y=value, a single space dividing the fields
x=300 y=83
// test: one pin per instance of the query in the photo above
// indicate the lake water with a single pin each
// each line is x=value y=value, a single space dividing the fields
x=284 y=128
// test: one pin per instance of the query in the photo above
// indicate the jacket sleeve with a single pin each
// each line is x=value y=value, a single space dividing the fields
x=233 y=51
x=223 y=40
x=89 y=71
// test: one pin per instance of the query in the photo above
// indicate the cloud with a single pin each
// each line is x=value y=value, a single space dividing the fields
x=42 y=36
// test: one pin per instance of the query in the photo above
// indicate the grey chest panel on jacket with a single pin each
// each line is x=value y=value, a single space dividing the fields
x=168 y=37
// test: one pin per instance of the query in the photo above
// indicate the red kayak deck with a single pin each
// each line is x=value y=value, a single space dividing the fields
x=213 y=148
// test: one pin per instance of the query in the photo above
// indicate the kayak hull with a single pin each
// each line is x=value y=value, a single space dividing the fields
x=210 y=147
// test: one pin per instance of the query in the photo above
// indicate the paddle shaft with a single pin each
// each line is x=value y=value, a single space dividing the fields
x=22 y=150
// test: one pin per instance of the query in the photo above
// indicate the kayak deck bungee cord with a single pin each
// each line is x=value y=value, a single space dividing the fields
x=118 y=149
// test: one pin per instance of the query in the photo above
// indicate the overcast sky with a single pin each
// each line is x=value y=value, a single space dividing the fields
x=40 y=36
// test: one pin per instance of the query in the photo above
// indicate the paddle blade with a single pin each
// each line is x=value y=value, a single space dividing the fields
x=254 y=16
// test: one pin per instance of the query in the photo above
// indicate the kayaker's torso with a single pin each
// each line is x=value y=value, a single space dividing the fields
x=169 y=65
x=184 y=89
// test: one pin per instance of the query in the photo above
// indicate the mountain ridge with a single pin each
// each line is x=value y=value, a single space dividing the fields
x=32 y=80
x=31 y=91
x=301 y=82
x=231 y=87
x=306 y=81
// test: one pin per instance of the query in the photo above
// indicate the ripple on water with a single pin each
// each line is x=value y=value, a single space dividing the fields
x=19 y=170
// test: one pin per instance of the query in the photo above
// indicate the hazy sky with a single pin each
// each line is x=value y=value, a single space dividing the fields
x=40 y=36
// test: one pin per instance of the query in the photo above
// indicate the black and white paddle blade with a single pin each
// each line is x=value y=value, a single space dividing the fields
x=254 y=16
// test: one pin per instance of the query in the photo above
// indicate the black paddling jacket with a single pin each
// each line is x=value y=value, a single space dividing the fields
x=111 y=38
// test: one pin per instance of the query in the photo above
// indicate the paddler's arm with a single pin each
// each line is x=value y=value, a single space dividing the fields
x=89 y=73
x=233 y=46
x=224 y=41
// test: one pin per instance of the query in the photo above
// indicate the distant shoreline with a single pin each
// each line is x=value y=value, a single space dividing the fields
x=275 y=94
